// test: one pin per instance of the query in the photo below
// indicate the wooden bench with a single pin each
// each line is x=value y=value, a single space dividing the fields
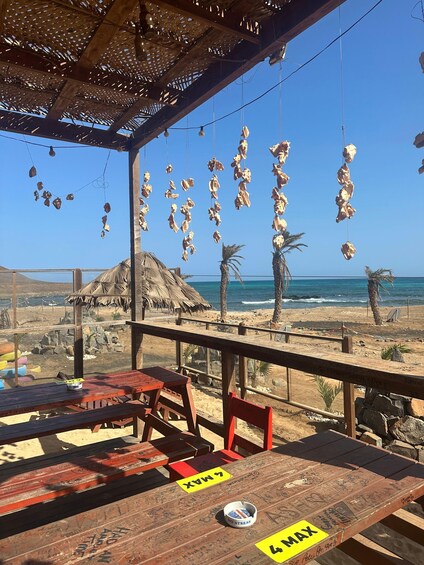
x=22 y=486
x=14 y=433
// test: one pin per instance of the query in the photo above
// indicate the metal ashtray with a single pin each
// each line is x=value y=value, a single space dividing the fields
x=74 y=385
x=240 y=514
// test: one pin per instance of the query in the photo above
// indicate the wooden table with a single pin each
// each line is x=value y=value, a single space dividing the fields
x=53 y=395
x=337 y=484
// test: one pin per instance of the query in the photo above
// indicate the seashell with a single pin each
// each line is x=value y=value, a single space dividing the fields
x=102 y=234
x=57 y=203
x=281 y=151
x=174 y=208
x=279 y=224
x=46 y=194
x=242 y=185
x=185 y=185
x=190 y=203
x=242 y=148
x=275 y=195
x=172 y=223
x=245 y=132
x=246 y=175
x=69 y=196
x=236 y=160
x=349 y=153
x=184 y=256
x=40 y=185
x=245 y=198
x=237 y=173
x=345 y=211
x=278 y=241
x=185 y=225
x=238 y=202
x=172 y=185
x=36 y=195
x=343 y=175
x=104 y=219
x=142 y=223
x=217 y=236
x=170 y=194
x=107 y=208
x=106 y=227
x=280 y=207
x=190 y=182
x=146 y=177
x=192 y=249
x=47 y=202
x=146 y=189
x=348 y=250
x=217 y=206
x=169 y=168
x=32 y=172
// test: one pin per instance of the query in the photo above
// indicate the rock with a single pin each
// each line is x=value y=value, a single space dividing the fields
x=420 y=453
x=36 y=350
x=409 y=429
x=70 y=351
x=415 y=407
x=402 y=448
x=388 y=406
x=370 y=394
x=204 y=380
x=45 y=340
x=376 y=421
x=359 y=408
x=119 y=348
x=402 y=397
x=397 y=355
x=364 y=428
x=59 y=350
x=372 y=439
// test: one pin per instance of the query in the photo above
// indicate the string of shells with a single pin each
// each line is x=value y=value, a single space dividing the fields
x=281 y=152
x=106 y=228
x=46 y=195
x=146 y=190
x=172 y=194
x=185 y=210
x=243 y=175
x=214 y=186
x=188 y=246
x=346 y=210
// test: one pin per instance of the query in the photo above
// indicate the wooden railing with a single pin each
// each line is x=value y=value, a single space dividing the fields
x=350 y=369
x=345 y=343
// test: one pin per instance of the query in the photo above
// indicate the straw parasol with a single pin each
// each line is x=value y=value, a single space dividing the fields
x=161 y=288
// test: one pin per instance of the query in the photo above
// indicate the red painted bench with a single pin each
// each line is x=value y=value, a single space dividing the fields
x=21 y=486
x=14 y=433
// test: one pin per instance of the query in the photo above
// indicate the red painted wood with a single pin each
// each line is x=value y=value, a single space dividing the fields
x=259 y=416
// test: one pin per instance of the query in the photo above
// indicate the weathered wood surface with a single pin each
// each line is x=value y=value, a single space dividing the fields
x=394 y=377
x=47 y=396
x=75 y=473
x=338 y=484
x=85 y=419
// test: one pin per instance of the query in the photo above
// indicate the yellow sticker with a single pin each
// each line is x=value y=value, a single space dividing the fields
x=291 y=541
x=204 y=480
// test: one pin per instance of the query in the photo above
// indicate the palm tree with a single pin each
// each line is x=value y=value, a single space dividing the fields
x=376 y=280
x=281 y=271
x=230 y=263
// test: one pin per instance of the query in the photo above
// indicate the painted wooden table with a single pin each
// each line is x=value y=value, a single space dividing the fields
x=311 y=495
x=26 y=399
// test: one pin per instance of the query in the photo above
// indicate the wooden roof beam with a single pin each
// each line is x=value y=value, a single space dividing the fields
x=293 y=19
x=225 y=21
x=86 y=77
x=42 y=127
x=116 y=16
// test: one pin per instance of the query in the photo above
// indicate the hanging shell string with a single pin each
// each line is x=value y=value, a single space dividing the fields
x=214 y=167
x=106 y=206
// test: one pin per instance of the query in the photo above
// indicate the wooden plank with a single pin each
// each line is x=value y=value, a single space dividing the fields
x=407 y=380
x=78 y=331
x=226 y=21
x=366 y=551
x=41 y=127
x=406 y=524
x=58 y=424
x=292 y=20
x=115 y=17
x=82 y=473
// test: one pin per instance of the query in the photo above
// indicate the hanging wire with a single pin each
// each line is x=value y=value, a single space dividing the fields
x=421 y=4
x=242 y=104
x=342 y=97
x=280 y=101
x=29 y=152
x=213 y=128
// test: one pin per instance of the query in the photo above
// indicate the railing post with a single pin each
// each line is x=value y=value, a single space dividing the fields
x=78 y=333
x=179 y=346
x=208 y=356
x=15 y=323
x=242 y=364
x=349 y=395
x=288 y=374
x=228 y=383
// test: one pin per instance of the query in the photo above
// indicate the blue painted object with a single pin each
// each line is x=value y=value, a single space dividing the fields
x=1 y=384
x=10 y=373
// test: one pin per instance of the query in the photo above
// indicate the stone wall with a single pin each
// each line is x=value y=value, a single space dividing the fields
x=392 y=421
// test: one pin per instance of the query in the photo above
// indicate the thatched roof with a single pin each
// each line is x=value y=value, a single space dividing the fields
x=161 y=288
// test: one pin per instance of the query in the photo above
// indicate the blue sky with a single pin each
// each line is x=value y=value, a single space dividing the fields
x=383 y=107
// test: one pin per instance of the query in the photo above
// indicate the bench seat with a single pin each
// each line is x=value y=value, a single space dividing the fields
x=68 y=473
x=14 y=433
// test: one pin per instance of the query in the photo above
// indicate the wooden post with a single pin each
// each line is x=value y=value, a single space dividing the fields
x=208 y=356
x=243 y=373
x=78 y=333
x=179 y=346
x=136 y=263
x=288 y=374
x=349 y=395
x=228 y=383
x=15 y=323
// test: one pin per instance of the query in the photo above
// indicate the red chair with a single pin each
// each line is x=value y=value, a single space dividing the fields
x=254 y=414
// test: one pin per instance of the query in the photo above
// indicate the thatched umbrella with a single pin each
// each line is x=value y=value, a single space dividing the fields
x=161 y=288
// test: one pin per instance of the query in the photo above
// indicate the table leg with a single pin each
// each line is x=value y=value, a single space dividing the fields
x=190 y=410
x=153 y=402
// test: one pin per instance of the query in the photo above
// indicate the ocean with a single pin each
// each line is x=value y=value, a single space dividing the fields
x=302 y=293
x=312 y=292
